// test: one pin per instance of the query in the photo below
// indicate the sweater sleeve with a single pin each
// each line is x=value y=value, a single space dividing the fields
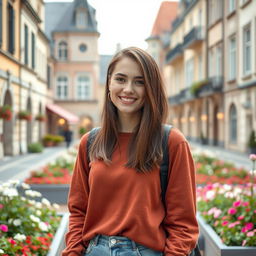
x=77 y=202
x=180 y=221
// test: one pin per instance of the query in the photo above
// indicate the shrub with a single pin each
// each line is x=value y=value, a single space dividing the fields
x=35 y=147
x=252 y=140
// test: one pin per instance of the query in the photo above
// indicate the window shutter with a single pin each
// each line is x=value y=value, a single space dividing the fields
x=33 y=50
x=1 y=23
x=26 y=44
x=11 y=23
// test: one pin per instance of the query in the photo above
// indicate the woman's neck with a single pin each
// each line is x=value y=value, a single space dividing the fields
x=127 y=123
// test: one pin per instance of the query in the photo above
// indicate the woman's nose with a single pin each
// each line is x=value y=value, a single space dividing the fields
x=128 y=87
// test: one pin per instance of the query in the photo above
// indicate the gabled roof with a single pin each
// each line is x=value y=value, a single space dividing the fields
x=166 y=14
x=60 y=17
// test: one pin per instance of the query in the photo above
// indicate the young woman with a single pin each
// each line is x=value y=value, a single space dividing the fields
x=115 y=201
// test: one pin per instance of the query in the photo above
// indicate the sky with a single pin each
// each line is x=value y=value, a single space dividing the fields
x=124 y=22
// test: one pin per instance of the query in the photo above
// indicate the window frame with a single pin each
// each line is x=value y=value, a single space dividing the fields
x=62 y=87
x=232 y=58
x=247 y=70
x=233 y=124
x=62 y=50
x=83 y=88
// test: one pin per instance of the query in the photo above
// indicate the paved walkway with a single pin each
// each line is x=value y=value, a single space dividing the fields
x=238 y=159
x=18 y=167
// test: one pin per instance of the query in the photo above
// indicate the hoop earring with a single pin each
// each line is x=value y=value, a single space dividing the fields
x=109 y=96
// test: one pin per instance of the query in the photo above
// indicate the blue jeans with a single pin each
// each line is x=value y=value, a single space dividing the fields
x=117 y=246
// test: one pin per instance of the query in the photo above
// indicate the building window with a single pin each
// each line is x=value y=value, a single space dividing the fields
x=189 y=69
x=26 y=44
x=82 y=47
x=232 y=58
x=247 y=50
x=11 y=29
x=81 y=19
x=218 y=61
x=233 y=124
x=211 y=63
x=83 y=88
x=33 y=50
x=62 y=87
x=231 y=5
x=63 y=51
x=1 y=23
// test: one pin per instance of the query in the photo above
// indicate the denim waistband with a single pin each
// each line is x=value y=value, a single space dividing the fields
x=114 y=241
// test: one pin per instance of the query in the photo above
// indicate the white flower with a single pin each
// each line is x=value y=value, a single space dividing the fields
x=20 y=237
x=46 y=202
x=1 y=251
x=33 y=193
x=34 y=218
x=43 y=226
x=210 y=194
x=229 y=195
x=23 y=198
x=227 y=187
x=38 y=205
x=56 y=206
x=10 y=221
x=25 y=185
x=17 y=222
x=10 y=192
x=14 y=182
x=33 y=202
x=38 y=212
x=6 y=185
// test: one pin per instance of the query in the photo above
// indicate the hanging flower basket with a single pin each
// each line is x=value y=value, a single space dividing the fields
x=6 y=112
x=40 y=117
x=24 y=115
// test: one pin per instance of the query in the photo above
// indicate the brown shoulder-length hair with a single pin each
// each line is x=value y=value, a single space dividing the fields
x=145 y=149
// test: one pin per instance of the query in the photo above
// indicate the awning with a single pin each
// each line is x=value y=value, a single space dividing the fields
x=68 y=116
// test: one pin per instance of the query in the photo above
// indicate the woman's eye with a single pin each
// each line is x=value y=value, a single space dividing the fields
x=120 y=79
x=139 y=82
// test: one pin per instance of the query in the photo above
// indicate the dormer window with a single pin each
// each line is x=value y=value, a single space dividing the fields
x=81 y=19
x=63 y=50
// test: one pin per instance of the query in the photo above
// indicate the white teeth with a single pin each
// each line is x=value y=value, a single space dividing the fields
x=127 y=99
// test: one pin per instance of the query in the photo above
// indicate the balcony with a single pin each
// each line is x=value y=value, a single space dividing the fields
x=193 y=37
x=184 y=96
x=174 y=53
x=215 y=85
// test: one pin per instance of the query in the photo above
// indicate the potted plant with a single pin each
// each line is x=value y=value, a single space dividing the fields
x=57 y=139
x=24 y=115
x=48 y=140
x=196 y=86
x=40 y=117
x=6 y=112
x=252 y=142
x=82 y=131
x=29 y=224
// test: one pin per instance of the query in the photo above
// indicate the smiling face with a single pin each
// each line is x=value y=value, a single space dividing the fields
x=126 y=87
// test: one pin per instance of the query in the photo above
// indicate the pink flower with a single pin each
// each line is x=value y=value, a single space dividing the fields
x=231 y=225
x=249 y=225
x=4 y=228
x=252 y=157
x=240 y=217
x=245 y=203
x=237 y=203
x=11 y=241
x=1 y=206
x=250 y=234
x=244 y=243
x=224 y=223
x=232 y=211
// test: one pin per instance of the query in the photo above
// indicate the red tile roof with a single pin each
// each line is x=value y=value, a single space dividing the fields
x=166 y=14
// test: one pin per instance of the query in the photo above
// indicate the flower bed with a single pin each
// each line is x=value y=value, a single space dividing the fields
x=211 y=170
x=59 y=172
x=230 y=211
x=27 y=227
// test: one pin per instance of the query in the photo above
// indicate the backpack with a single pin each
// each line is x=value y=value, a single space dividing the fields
x=164 y=167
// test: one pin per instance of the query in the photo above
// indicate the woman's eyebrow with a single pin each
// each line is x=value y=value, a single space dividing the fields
x=136 y=77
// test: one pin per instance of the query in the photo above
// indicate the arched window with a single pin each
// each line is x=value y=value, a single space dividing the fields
x=63 y=50
x=83 y=87
x=62 y=87
x=233 y=124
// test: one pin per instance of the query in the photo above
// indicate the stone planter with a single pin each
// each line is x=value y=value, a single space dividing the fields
x=55 y=193
x=58 y=243
x=214 y=247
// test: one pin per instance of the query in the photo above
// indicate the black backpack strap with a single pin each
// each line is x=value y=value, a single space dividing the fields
x=165 y=162
x=91 y=137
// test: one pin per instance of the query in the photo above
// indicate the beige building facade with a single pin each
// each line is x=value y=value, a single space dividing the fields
x=210 y=72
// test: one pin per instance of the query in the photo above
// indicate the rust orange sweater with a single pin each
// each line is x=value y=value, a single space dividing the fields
x=116 y=200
